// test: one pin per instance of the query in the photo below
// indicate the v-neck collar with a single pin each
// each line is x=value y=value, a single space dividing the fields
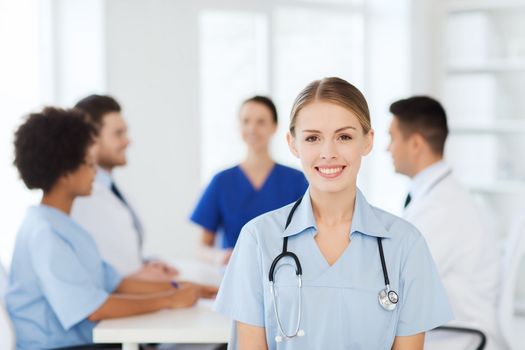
x=263 y=184
x=321 y=256
x=364 y=220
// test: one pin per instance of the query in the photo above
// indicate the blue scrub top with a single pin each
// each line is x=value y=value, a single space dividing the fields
x=57 y=280
x=340 y=307
x=230 y=200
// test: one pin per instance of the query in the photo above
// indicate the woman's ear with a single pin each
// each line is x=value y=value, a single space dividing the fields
x=369 y=142
x=291 y=144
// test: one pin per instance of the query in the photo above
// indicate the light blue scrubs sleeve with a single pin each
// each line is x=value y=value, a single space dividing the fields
x=112 y=278
x=240 y=296
x=424 y=303
x=67 y=285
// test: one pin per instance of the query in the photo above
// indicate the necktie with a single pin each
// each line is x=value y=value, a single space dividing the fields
x=407 y=200
x=117 y=193
x=136 y=221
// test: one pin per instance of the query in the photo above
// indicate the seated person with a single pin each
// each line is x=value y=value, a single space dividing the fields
x=59 y=286
x=447 y=216
x=254 y=187
x=107 y=213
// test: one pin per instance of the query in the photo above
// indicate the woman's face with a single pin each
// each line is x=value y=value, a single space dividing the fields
x=329 y=141
x=257 y=125
x=80 y=181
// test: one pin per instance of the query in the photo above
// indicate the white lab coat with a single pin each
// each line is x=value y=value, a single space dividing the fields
x=111 y=224
x=467 y=255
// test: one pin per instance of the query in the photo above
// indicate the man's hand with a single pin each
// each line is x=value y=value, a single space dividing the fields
x=156 y=271
x=204 y=291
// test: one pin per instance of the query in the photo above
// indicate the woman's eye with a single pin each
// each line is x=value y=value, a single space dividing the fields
x=345 y=137
x=312 y=138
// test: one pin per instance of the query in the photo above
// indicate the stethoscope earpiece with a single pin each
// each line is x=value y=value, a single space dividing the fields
x=278 y=338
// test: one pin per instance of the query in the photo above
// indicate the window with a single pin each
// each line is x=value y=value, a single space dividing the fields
x=233 y=67
x=20 y=87
x=49 y=57
x=275 y=50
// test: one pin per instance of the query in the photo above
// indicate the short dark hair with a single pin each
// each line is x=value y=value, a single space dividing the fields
x=97 y=106
x=266 y=101
x=423 y=115
x=50 y=144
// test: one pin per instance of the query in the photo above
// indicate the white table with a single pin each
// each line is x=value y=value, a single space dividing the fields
x=197 y=324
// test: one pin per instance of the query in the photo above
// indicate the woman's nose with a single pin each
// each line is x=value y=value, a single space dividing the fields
x=328 y=150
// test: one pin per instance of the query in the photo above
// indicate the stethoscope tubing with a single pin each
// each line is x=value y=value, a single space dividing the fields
x=388 y=304
x=275 y=309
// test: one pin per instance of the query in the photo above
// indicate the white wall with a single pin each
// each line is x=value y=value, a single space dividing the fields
x=387 y=77
x=425 y=44
x=77 y=50
x=51 y=55
x=152 y=64
x=19 y=94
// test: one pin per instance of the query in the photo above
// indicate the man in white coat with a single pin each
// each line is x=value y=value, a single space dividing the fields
x=108 y=214
x=466 y=253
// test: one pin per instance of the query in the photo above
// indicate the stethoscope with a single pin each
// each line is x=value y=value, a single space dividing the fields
x=388 y=298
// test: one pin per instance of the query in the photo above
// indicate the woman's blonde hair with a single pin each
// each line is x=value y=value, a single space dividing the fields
x=337 y=91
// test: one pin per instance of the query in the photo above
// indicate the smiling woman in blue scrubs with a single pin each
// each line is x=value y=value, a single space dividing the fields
x=367 y=279
x=256 y=186
x=59 y=286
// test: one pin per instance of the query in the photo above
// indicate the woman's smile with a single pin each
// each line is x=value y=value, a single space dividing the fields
x=330 y=172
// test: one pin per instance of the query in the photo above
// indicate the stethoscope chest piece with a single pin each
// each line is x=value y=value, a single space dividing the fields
x=388 y=299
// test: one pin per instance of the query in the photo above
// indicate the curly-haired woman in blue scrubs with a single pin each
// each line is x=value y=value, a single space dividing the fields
x=256 y=186
x=330 y=271
x=59 y=286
